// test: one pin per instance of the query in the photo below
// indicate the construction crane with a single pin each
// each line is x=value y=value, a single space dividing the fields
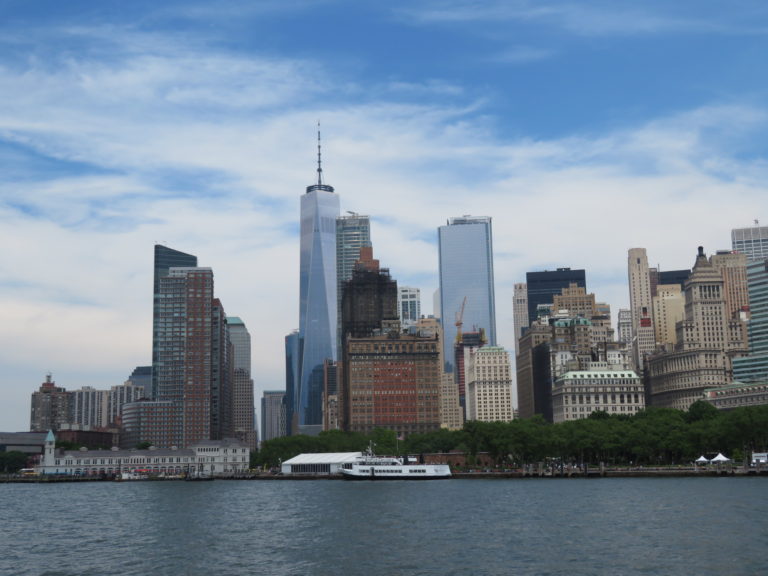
x=460 y=319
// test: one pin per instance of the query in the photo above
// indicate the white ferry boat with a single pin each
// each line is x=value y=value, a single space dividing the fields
x=372 y=467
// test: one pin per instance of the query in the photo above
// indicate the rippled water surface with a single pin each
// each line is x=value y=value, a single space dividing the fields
x=681 y=526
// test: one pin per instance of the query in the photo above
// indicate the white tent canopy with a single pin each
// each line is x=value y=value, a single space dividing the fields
x=702 y=460
x=720 y=458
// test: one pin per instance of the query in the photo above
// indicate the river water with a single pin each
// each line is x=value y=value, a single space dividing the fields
x=659 y=526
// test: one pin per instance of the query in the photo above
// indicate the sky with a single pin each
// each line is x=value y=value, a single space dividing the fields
x=582 y=128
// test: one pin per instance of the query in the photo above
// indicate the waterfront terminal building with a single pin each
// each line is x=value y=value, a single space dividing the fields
x=205 y=458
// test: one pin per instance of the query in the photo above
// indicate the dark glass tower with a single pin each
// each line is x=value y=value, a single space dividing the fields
x=542 y=286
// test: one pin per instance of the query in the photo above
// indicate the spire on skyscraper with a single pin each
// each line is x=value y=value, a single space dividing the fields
x=319 y=185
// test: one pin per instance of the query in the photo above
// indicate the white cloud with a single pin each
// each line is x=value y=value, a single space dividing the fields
x=210 y=155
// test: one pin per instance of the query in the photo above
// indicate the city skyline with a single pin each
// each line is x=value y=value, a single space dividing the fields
x=581 y=132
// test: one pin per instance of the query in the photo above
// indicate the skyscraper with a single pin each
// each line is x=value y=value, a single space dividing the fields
x=408 y=305
x=641 y=305
x=272 y=415
x=466 y=280
x=165 y=259
x=243 y=425
x=754 y=367
x=541 y=287
x=520 y=310
x=318 y=298
x=751 y=241
x=353 y=232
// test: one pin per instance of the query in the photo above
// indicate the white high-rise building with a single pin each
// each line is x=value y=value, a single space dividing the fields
x=408 y=305
x=489 y=385
x=751 y=241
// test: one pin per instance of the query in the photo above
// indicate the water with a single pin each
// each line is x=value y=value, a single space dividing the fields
x=552 y=527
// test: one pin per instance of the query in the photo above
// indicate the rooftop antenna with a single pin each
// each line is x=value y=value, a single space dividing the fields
x=319 y=158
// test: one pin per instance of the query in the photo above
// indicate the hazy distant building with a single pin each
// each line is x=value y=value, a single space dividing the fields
x=141 y=377
x=318 y=320
x=733 y=268
x=89 y=407
x=408 y=305
x=272 y=415
x=624 y=325
x=489 y=385
x=243 y=424
x=752 y=241
x=50 y=407
x=292 y=395
x=123 y=394
x=466 y=279
x=708 y=339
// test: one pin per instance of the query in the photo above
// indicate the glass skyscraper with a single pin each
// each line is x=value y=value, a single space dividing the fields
x=317 y=299
x=751 y=241
x=352 y=233
x=466 y=271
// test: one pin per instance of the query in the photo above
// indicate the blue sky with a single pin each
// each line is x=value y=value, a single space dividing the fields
x=583 y=128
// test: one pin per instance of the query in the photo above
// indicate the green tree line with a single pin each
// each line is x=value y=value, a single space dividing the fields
x=654 y=437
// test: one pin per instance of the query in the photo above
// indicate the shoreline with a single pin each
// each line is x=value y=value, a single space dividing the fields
x=596 y=472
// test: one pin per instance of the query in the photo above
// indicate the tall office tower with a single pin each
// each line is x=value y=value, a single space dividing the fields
x=222 y=374
x=130 y=391
x=409 y=306
x=317 y=294
x=272 y=415
x=141 y=377
x=641 y=304
x=165 y=259
x=395 y=383
x=243 y=425
x=534 y=390
x=353 y=232
x=542 y=287
x=751 y=241
x=489 y=385
x=89 y=407
x=369 y=300
x=520 y=311
x=466 y=279
x=369 y=306
x=733 y=267
x=624 y=325
x=292 y=358
x=668 y=310
x=708 y=339
x=50 y=407
x=754 y=367
x=183 y=370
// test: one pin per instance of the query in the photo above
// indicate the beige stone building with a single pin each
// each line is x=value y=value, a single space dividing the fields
x=641 y=304
x=708 y=338
x=668 y=310
x=489 y=385
x=575 y=395
x=451 y=414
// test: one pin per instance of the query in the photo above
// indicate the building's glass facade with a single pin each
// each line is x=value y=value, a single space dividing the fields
x=754 y=367
x=292 y=356
x=353 y=232
x=318 y=301
x=751 y=241
x=466 y=271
